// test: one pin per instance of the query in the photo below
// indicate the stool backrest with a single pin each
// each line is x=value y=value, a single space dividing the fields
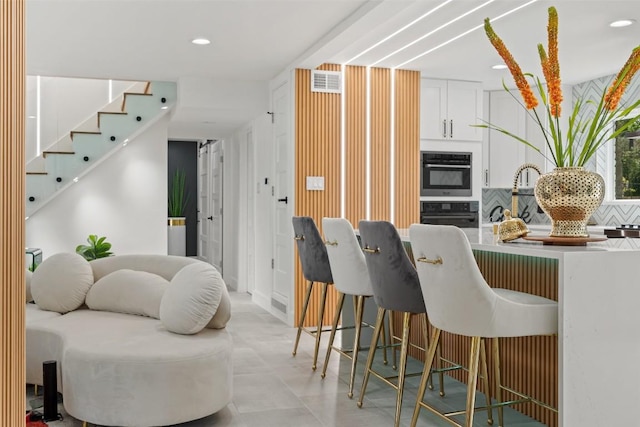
x=311 y=250
x=348 y=267
x=394 y=280
x=457 y=297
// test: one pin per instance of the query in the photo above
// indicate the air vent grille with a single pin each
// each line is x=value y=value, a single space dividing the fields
x=326 y=81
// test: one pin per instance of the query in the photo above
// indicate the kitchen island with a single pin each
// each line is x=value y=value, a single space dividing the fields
x=590 y=371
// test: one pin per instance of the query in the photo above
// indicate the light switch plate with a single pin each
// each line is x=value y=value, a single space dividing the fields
x=315 y=183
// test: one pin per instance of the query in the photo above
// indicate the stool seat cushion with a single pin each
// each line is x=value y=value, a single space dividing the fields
x=523 y=314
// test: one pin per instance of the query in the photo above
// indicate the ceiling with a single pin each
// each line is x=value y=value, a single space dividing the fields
x=255 y=40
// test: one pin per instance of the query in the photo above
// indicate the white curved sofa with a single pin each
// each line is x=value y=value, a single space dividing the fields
x=139 y=339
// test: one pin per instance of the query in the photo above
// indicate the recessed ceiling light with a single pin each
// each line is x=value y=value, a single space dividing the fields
x=200 y=41
x=164 y=107
x=622 y=23
x=31 y=117
x=499 y=67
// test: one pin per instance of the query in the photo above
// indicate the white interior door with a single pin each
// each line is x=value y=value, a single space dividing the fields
x=215 y=215
x=283 y=232
x=204 y=207
x=251 y=229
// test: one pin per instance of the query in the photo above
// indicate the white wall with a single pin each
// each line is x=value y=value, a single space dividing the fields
x=124 y=198
x=231 y=210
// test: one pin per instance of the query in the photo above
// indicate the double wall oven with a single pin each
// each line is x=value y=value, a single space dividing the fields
x=447 y=174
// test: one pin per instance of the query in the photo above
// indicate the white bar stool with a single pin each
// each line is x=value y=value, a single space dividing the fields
x=460 y=301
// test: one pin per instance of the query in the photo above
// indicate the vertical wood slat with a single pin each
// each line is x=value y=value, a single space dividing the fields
x=407 y=148
x=355 y=92
x=380 y=143
x=12 y=164
x=317 y=153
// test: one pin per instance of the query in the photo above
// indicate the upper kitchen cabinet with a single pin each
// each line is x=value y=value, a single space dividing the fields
x=448 y=108
x=503 y=155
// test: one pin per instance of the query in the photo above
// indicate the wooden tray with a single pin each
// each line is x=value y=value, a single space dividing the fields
x=565 y=241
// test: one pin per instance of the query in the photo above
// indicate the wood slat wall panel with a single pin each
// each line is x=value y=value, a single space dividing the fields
x=407 y=148
x=355 y=140
x=380 y=143
x=317 y=123
x=12 y=140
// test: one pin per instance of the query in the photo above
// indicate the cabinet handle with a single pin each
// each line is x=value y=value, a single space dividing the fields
x=451 y=128
x=444 y=128
x=486 y=177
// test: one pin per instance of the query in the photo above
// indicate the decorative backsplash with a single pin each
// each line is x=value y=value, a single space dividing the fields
x=496 y=200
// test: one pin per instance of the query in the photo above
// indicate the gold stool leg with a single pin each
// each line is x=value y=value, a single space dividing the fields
x=84 y=424
x=392 y=340
x=485 y=381
x=35 y=389
x=425 y=328
x=323 y=299
x=404 y=349
x=472 y=380
x=384 y=344
x=372 y=353
x=336 y=319
x=303 y=314
x=356 y=342
x=428 y=362
x=496 y=374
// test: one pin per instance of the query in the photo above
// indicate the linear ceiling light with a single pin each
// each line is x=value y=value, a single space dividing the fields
x=399 y=31
x=465 y=33
x=622 y=23
x=446 y=24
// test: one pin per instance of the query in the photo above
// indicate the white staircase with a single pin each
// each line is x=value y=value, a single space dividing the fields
x=75 y=154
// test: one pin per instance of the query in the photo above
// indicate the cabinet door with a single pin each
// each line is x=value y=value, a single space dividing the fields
x=506 y=154
x=464 y=108
x=433 y=107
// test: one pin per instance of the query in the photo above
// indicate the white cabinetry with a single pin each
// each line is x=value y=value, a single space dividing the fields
x=504 y=154
x=448 y=108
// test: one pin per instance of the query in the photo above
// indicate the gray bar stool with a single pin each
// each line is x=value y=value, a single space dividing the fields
x=350 y=275
x=460 y=301
x=395 y=287
x=316 y=269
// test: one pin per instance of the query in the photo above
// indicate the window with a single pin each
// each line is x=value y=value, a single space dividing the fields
x=627 y=162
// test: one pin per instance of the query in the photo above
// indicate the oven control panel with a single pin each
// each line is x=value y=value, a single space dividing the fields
x=448 y=207
x=461 y=214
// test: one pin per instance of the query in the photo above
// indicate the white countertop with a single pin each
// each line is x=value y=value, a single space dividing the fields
x=483 y=239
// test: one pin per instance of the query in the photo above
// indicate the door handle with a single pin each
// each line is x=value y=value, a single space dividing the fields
x=286 y=200
x=210 y=218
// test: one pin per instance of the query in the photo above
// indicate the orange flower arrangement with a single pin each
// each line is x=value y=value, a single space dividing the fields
x=585 y=135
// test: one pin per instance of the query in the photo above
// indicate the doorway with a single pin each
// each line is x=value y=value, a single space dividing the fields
x=183 y=155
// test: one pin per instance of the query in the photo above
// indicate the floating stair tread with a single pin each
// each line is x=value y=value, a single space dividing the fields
x=45 y=153
x=120 y=113
x=125 y=94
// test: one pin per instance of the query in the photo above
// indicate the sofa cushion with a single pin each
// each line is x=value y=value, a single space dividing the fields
x=191 y=299
x=61 y=282
x=223 y=313
x=129 y=292
x=27 y=285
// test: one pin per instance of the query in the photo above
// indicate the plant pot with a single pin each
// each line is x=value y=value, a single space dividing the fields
x=177 y=236
x=569 y=196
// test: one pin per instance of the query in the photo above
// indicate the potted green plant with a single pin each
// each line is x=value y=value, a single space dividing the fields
x=98 y=247
x=176 y=224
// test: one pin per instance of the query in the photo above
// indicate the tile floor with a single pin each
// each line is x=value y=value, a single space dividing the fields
x=273 y=388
